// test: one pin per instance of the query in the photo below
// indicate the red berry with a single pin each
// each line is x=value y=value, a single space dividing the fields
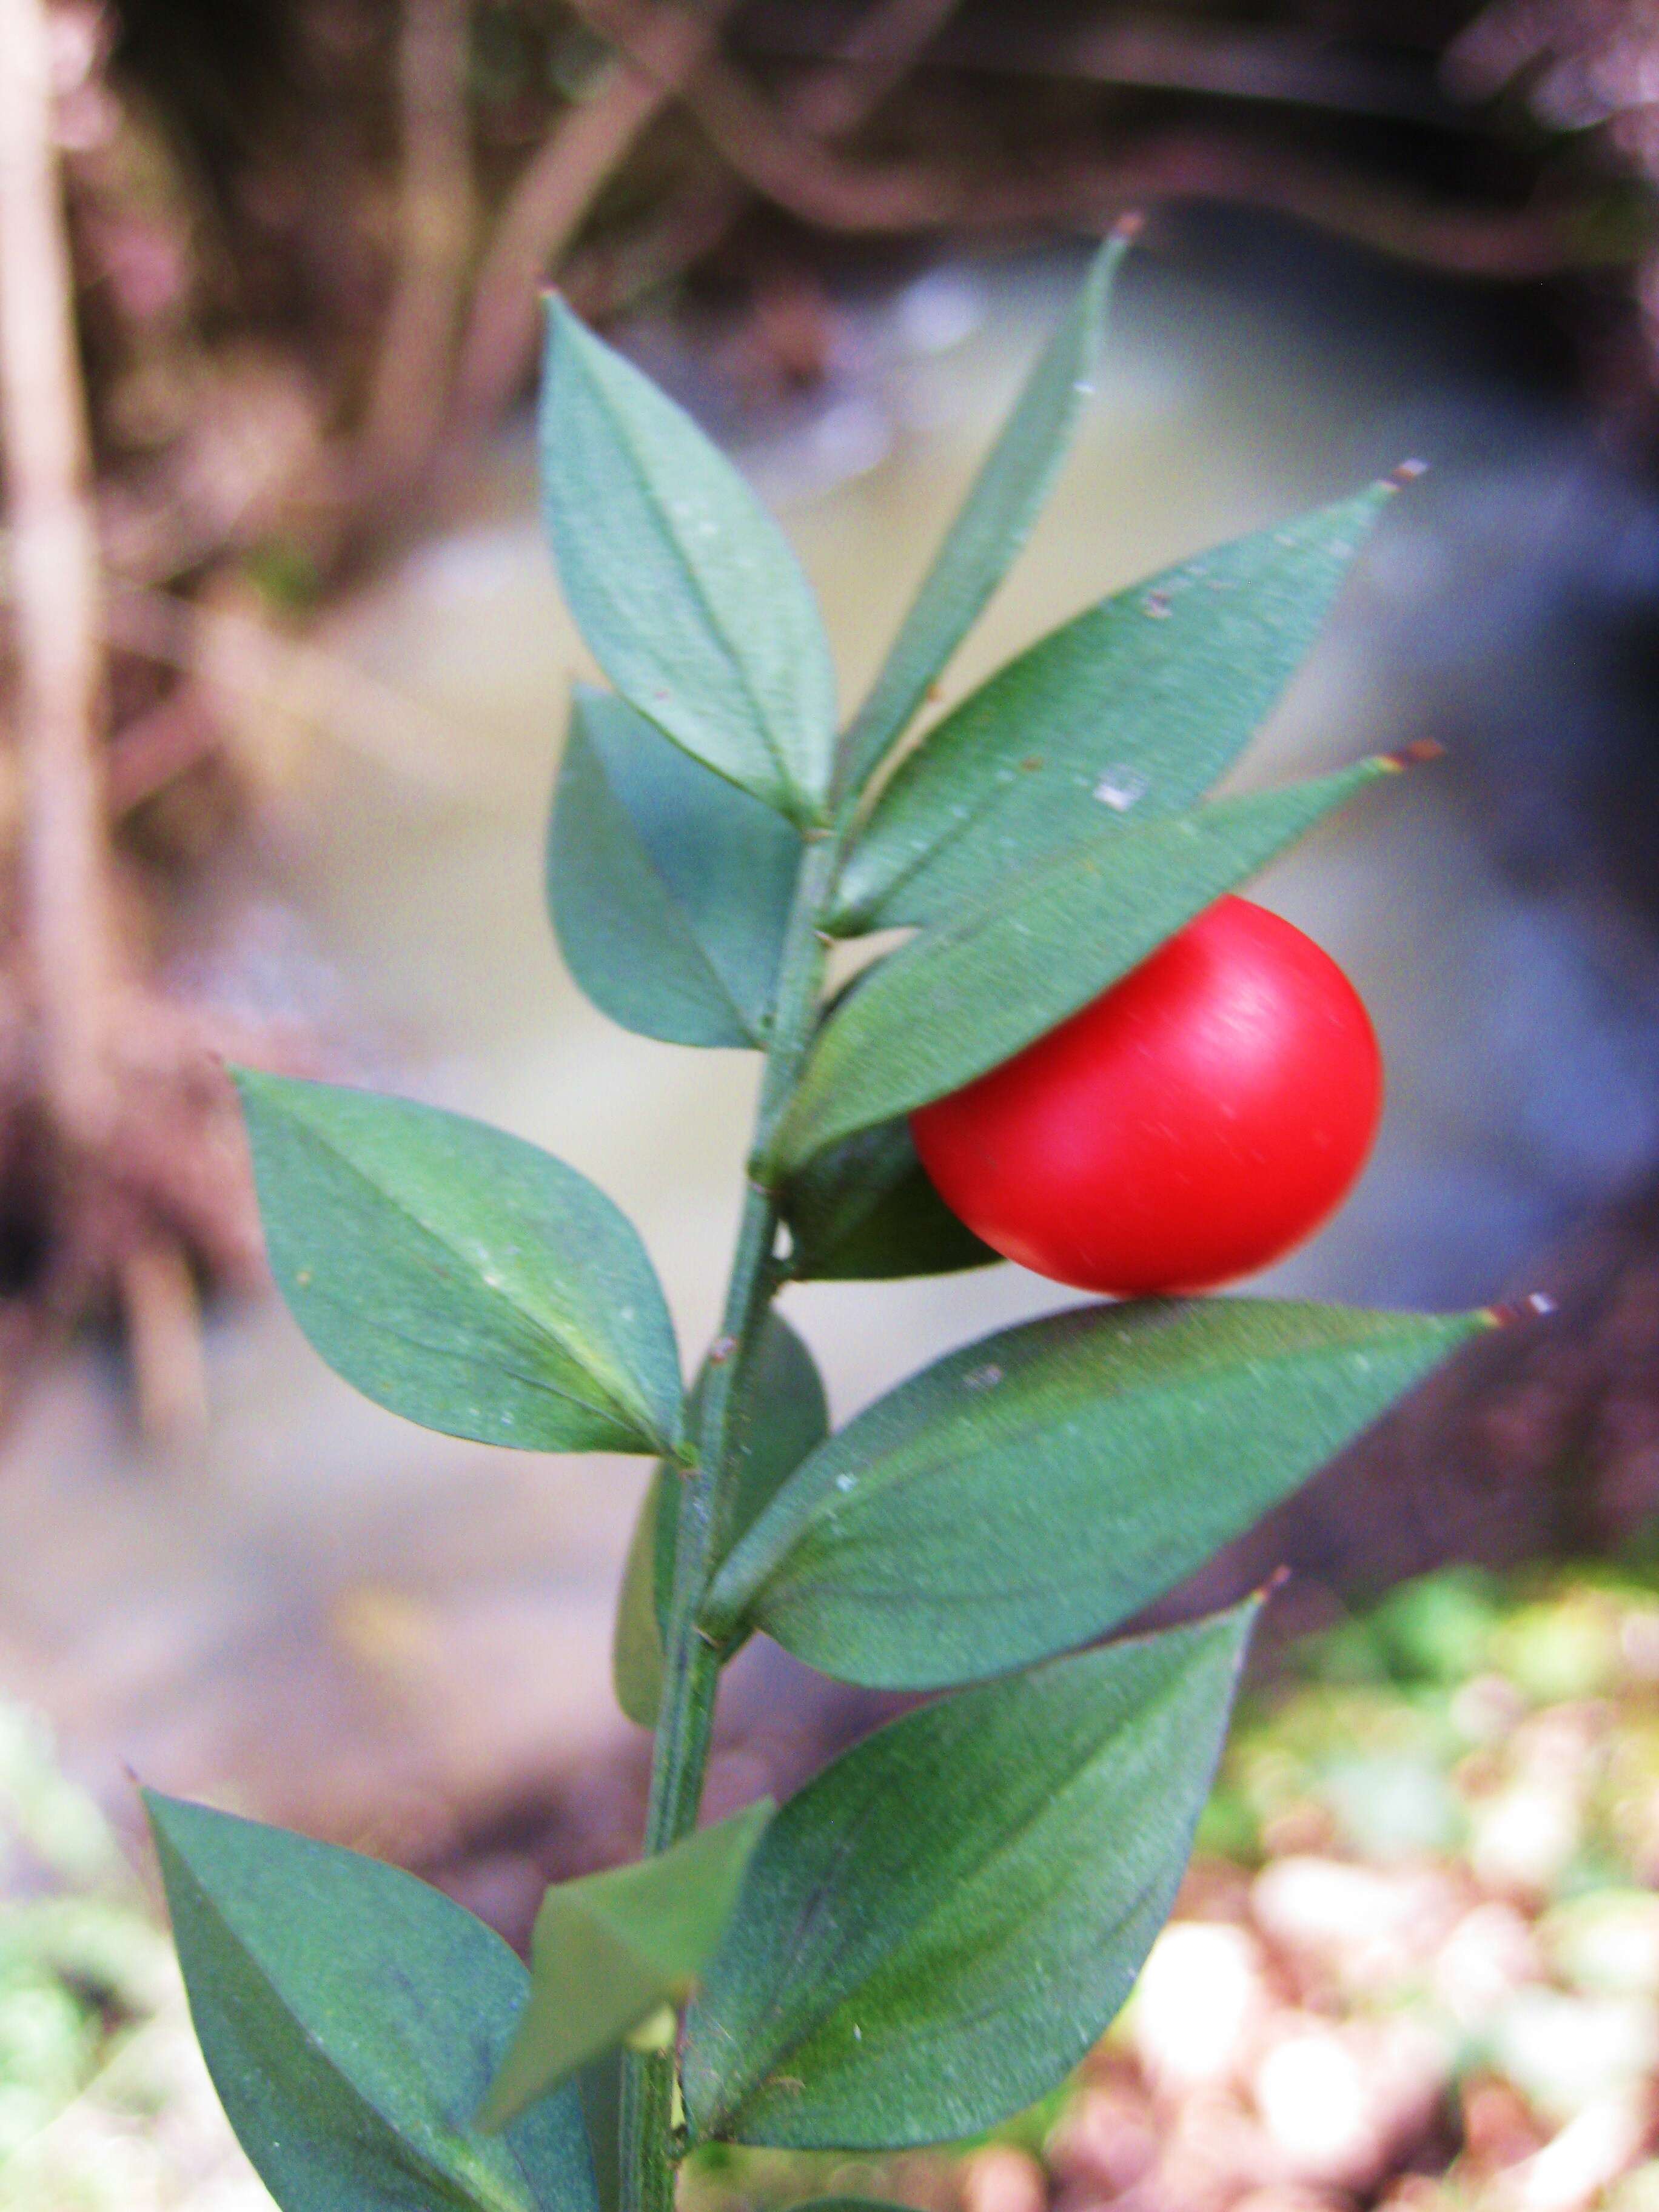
x=1195 y=1122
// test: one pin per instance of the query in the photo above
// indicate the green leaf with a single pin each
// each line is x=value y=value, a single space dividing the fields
x=1036 y=1489
x=599 y=2087
x=682 y=585
x=460 y=1276
x=936 y=1929
x=779 y=1413
x=1129 y=712
x=994 y=523
x=864 y=1210
x=969 y=994
x=351 y=2017
x=850 y=2205
x=638 y=1655
x=669 y=887
x=613 y=1949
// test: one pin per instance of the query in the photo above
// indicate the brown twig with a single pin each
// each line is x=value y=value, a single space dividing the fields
x=831 y=102
x=234 y=656
x=1144 y=51
x=121 y=1123
x=812 y=182
x=162 y=1308
x=56 y=592
x=410 y=381
x=874 y=60
x=555 y=192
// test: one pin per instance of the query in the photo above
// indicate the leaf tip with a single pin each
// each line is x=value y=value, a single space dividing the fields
x=1537 y=1305
x=261 y=1087
x=1406 y=473
x=1417 y=754
x=1127 y=227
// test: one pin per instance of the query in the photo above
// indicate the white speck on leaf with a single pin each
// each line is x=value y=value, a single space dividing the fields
x=1119 y=787
x=982 y=1378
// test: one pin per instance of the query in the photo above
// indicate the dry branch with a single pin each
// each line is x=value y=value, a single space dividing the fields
x=56 y=595
x=411 y=384
x=874 y=61
x=117 y=1117
x=555 y=190
x=814 y=183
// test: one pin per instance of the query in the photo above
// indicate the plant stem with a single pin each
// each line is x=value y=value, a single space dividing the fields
x=691 y=1673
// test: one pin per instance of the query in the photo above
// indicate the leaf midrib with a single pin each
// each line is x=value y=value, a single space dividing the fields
x=860 y=1031
x=1083 y=316
x=782 y=768
x=998 y=1848
x=633 y=1411
x=892 y=1469
x=460 y=2192
x=607 y=1410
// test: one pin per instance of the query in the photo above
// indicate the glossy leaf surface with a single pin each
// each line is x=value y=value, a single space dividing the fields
x=669 y=887
x=1128 y=713
x=864 y=1210
x=969 y=994
x=779 y=1413
x=611 y=1948
x=682 y=585
x=458 y=1276
x=935 y=1930
x=1036 y=1489
x=351 y=2017
x=993 y=524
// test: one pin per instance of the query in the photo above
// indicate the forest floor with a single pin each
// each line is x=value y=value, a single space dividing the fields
x=1415 y=1963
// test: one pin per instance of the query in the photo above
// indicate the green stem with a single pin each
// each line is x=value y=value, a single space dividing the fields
x=691 y=1673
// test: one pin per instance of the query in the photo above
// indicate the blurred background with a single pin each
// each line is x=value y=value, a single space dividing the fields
x=284 y=670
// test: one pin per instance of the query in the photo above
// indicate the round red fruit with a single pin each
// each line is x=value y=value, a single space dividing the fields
x=1194 y=1123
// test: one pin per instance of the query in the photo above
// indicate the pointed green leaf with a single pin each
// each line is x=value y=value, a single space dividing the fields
x=936 y=1929
x=994 y=523
x=1037 y=1488
x=613 y=1949
x=460 y=1276
x=638 y=1657
x=1128 y=713
x=969 y=994
x=779 y=1414
x=351 y=2017
x=669 y=887
x=864 y=1210
x=682 y=585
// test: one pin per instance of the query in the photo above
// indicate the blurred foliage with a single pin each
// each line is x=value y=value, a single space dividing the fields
x=104 y=2104
x=1426 y=1881
x=1417 y=1961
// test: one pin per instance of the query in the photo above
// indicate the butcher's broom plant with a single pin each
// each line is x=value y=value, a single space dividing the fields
x=933 y=1932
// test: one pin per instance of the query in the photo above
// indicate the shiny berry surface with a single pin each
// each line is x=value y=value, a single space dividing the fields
x=1192 y=1125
